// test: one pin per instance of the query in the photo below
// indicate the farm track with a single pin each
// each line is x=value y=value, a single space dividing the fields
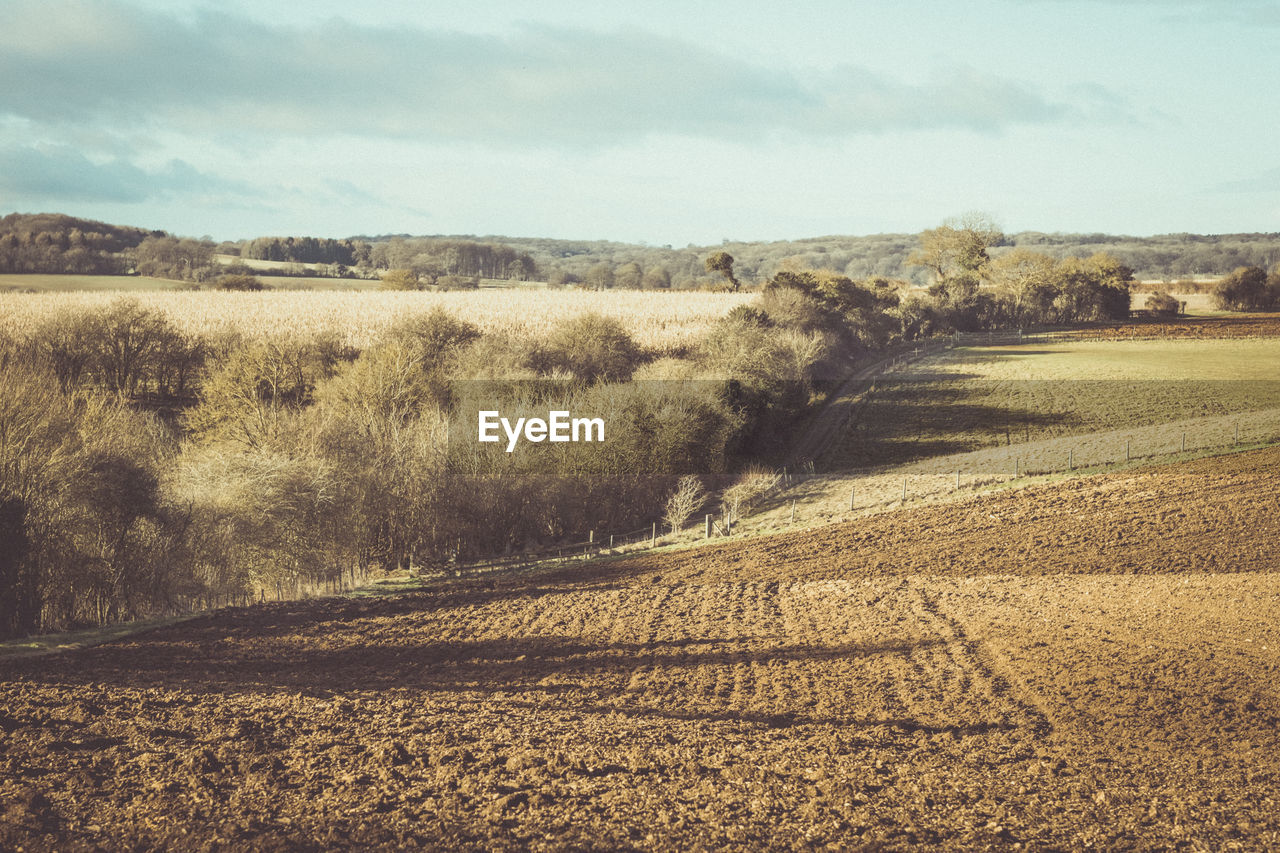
x=1085 y=664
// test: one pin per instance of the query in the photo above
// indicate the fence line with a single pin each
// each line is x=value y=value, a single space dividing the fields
x=872 y=488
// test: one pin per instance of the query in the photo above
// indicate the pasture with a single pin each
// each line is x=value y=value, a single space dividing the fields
x=971 y=398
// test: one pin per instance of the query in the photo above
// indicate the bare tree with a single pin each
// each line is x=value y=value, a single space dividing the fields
x=687 y=499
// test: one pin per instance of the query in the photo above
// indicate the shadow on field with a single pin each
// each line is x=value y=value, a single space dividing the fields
x=912 y=420
x=408 y=660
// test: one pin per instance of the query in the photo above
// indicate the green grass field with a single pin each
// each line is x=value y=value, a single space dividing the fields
x=971 y=417
x=973 y=398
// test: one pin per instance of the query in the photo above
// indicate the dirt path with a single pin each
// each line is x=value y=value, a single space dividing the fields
x=1091 y=664
x=826 y=426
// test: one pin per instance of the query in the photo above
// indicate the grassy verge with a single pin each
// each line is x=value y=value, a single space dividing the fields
x=84 y=638
x=395 y=585
x=44 y=644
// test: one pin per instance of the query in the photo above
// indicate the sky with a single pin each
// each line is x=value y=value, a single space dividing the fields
x=674 y=123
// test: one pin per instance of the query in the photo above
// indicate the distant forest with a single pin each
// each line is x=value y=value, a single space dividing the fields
x=56 y=243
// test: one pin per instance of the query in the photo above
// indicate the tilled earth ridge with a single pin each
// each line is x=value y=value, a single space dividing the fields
x=1239 y=326
x=1219 y=514
x=989 y=677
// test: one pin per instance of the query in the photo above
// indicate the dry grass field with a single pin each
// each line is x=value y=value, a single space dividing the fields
x=1085 y=665
x=660 y=321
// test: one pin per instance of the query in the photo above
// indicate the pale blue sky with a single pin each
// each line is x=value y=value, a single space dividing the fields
x=664 y=122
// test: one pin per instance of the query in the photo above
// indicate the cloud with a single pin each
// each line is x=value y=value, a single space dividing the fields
x=1248 y=12
x=74 y=62
x=1266 y=182
x=58 y=172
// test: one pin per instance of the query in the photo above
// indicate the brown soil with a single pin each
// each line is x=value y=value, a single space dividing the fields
x=1237 y=326
x=1090 y=664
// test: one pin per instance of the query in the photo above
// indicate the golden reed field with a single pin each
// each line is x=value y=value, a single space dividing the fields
x=658 y=321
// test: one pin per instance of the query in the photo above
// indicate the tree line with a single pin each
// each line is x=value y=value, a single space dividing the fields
x=306 y=250
x=55 y=243
x=52 y=243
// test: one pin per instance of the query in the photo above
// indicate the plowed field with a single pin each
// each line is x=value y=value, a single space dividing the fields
x=1231 y=326
x=1087 y=664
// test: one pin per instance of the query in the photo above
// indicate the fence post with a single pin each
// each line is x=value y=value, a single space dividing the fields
x=1126 y=450
x=653 y=537
x=708 y=536
x=591 y=538
x=853 y=494
x=1015 y=467
x=793 y=511
x=1184 y=442
x=904 y=488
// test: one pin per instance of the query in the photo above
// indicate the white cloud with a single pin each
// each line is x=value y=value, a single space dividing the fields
x=117 y=66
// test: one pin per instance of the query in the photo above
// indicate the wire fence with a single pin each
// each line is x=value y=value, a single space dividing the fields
x=825 y=495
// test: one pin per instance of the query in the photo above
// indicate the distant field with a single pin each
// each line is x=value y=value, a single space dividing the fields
x=661 y=321
x=1196 y=303
x=255 y=264
x=1128 y=360
x=61 y=283
x=311 y=282
x=10 y=282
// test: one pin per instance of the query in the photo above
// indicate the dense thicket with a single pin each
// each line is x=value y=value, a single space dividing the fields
x=1248 y=289
x=306 y=250
x=300 y=460
x=433 y=257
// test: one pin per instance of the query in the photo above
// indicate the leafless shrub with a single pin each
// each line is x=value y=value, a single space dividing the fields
x=753 y=484
x=687 y=499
